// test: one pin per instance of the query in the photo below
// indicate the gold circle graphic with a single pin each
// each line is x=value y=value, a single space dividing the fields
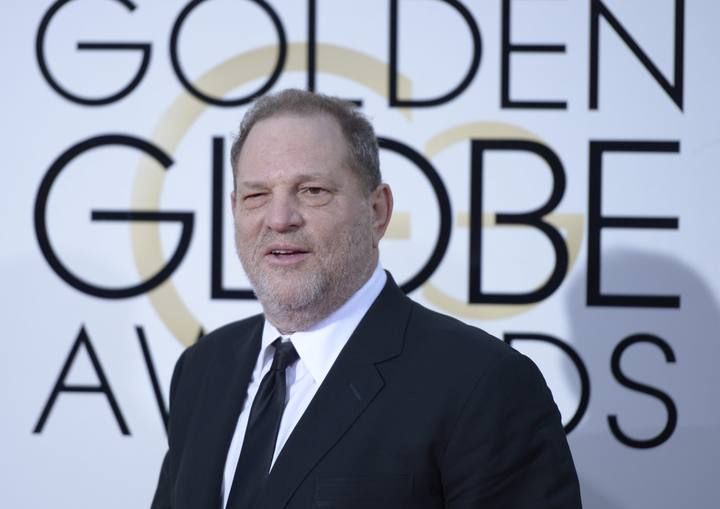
x=355 y=66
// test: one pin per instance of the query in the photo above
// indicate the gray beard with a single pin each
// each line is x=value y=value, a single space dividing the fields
x=314 y=296
x=310 y=301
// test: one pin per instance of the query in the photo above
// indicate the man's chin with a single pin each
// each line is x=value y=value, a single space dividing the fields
x=285 y=292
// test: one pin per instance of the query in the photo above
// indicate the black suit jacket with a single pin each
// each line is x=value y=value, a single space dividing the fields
x=418 y=411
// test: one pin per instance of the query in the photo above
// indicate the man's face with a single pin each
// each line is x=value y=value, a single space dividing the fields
x=306 y=230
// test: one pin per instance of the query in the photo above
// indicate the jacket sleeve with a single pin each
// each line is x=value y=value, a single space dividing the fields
x=508 y=448
x=163 y=498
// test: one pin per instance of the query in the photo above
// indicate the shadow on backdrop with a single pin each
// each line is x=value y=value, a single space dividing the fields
x=674 y=353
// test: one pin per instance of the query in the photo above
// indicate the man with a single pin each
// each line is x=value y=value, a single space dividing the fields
x=345 y=393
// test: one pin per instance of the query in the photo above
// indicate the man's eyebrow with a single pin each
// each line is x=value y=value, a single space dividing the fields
x=302 y=177
x=251 y=184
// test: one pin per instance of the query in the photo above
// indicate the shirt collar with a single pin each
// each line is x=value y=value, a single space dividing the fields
x=319 y=346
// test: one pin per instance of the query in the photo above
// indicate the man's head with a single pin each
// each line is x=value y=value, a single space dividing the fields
x=308 y=214
x=362 y=147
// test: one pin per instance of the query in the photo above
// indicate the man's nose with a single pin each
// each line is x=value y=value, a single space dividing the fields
x=284 y=213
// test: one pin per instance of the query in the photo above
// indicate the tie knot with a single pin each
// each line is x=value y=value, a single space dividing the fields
x=285 y=355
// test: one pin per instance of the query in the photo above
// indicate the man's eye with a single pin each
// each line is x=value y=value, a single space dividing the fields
x=315 y=195
x=254 y=199
x=313 y=190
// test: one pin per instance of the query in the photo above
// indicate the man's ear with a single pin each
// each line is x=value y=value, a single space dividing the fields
x=232 y=202
x=381 y=200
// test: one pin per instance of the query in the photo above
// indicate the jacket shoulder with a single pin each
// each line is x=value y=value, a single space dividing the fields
x=448 y=336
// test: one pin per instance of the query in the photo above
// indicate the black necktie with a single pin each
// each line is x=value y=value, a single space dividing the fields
x=262 y=430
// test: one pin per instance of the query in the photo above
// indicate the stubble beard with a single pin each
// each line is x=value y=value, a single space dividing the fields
x=296 y=298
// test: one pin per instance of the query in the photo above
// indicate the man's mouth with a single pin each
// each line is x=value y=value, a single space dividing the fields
x=286 y=254
x=283 y=252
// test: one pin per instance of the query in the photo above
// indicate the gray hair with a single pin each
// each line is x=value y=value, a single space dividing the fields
x=363 y=156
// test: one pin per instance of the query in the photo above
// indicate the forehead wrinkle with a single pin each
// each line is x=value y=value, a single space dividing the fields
x=287 y=149
x=300 y=177
x=320 y=130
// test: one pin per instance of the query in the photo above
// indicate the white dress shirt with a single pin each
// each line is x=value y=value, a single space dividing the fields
x=317 y=347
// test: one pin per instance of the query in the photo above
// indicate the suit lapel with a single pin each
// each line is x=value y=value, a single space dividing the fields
x=350 y=386
x=216 y=418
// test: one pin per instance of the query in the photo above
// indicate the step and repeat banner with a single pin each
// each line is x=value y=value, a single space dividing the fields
x=555 y=164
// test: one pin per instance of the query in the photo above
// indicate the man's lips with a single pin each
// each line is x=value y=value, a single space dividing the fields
x=286 y=254
x=284 y=249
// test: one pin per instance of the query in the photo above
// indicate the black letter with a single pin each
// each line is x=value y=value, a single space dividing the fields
x=596 y=222
x=507 y=48
x=217 y=290
x=424 y=103
x=675 y=91
x=441 y=194
x=311 y=44
x=577 y=362
x=533 y=218
x=184 y=218
x=174 y=58
x=312 y=50
x=153 y=376
x=144 y=48
x=61 y=386
x=645 y=389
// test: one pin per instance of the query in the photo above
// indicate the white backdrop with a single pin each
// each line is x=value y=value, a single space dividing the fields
x=622 y=163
